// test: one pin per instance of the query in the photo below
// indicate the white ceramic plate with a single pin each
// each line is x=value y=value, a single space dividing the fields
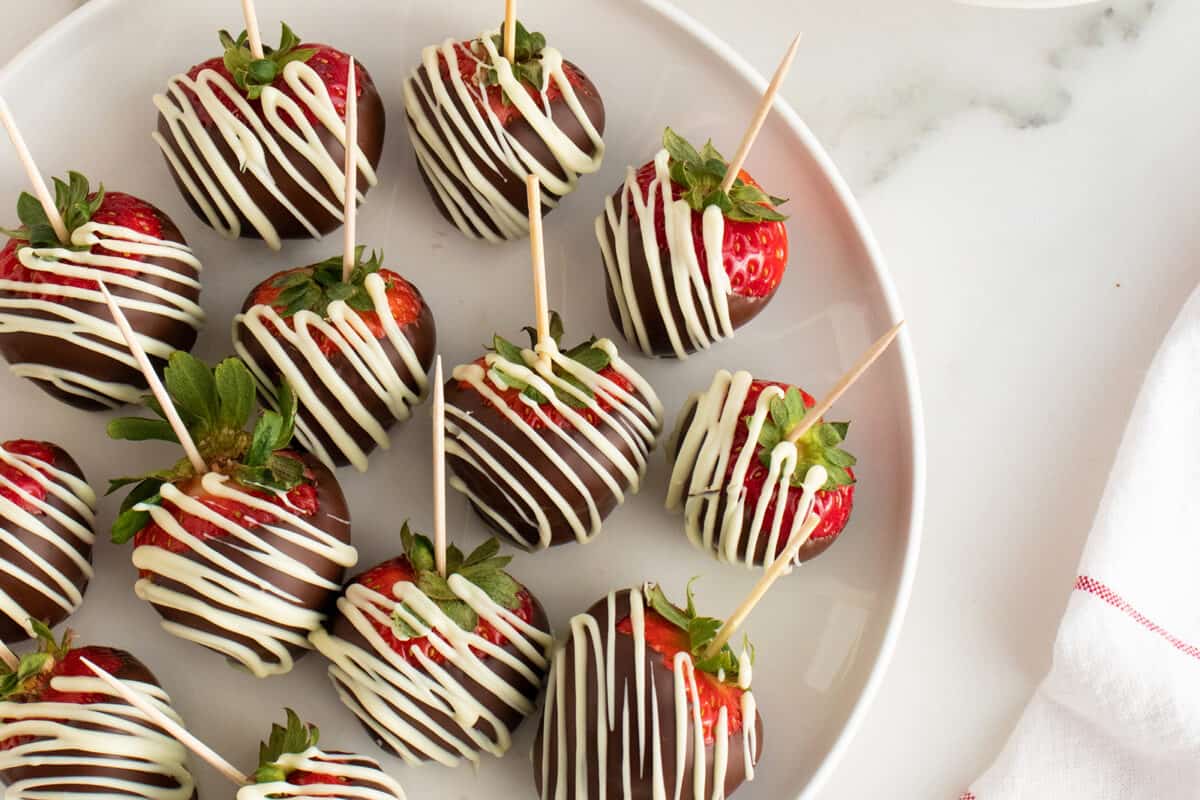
x=82 y=93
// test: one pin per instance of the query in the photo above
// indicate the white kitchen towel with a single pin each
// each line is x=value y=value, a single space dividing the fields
x=1118 y=717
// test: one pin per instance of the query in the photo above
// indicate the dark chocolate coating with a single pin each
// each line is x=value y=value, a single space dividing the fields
x=36 y=603
x=508 y=716
x=494 y=495
x=659 y=692
x=372 y=124
x=421 y=334
x=36 y=348
x=510 y=184
x=742 y=309
x=76 y=784
x=809 y=550
x=332 y=517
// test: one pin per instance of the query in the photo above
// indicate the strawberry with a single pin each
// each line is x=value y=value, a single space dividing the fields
x=819 y=445
x=482 y=567
x=240 y=68
x=517 y=394
x=314 y=287
x=297 y=737
x=27 y=490
x=32 y=681
x=527 y=67
x=216 y=405
x=670 y=630
x=754 y=249
x=78 y=205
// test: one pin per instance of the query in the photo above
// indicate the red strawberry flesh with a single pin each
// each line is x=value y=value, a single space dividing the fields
x=754 y=254
x=832 y=505
x=668 y=640
x=27 y=488
x=383 y=579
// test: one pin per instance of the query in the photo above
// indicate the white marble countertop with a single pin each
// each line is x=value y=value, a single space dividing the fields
x=1032 y=179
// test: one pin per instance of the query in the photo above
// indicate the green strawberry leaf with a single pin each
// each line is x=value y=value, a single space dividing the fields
x=819 y=445
x=235 y=393
x=253 y=74
x=140 y=429
x=701 y=632
x=527 y=60
x=76 y=204
x=700 y=173
x=294 y=737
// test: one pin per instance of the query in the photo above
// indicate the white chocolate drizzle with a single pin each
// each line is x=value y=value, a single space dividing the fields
x=592 y=643
x=70 y=531
x=389 y=694
x=99 y=334
x=634 y=417
x=364 y=779
x=275 y=131
x=110 y=735
x=700 y=290
x=232 y=598
x=361 y=351
x=704 y=454
x=446 y=139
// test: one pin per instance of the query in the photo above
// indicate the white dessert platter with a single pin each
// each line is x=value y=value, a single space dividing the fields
x=823 y=636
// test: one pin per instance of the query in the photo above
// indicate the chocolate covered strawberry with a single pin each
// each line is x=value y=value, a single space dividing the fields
x=356 y=352
x=686 y=262
x=731 y=499
x=245 y=556
x=480 y=123
x=635 y=676
x=546 y=443
x=47 y=528
x=64 y=733
x=289 y=762
x=438 y=667
x=54 y=328
x=287 y=111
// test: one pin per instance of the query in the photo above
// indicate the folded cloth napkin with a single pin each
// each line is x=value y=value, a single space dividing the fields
x=1118 y=717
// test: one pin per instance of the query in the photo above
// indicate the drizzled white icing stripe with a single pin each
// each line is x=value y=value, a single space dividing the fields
x=98 y=333
x=364 y=778
x=704 y=453
x=635 y=417
x=643 y=763
x=386 y=691
x=701 y=290
x=231 y=597
x=362 y=353
x=445 y=139
x=69 y=531
x=70 y=739
x=277 y=132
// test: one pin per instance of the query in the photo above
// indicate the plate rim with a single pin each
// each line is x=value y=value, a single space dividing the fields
x=680 y=18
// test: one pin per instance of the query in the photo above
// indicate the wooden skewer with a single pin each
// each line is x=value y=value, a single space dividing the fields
x=9 y=658
x=252 y=34
x=760 y=116
x=510 y=30
x=142 y=703
x=537 y=255
x=439 y=468
x=350 y=200
x=778 y=567
x=156 y=387
x=814 y=414
x=35 y=177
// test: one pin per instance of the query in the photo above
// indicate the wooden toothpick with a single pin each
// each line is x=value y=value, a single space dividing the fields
x=252 y=35
x=510 y=30
x=814 y=414
x=537 y=255
x=143 y=703
x=439 y=468
x=350 y=200
x=35 y=177
x=760 y=116
x=157 y=389
x=9 y=658
x=778 y=567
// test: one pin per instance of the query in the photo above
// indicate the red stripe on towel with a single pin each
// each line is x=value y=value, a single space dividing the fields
x=1094 y=587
